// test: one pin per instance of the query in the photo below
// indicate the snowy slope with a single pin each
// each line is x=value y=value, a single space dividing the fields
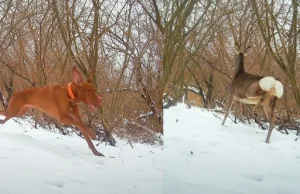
x=41 y=162
x=226 y=160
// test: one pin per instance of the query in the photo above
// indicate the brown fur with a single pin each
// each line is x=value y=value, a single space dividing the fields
x=55 y=102
x=245 y=89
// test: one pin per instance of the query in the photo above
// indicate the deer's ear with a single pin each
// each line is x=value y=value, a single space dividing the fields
x=245 y=51
x=90 y=77
x=76 y=76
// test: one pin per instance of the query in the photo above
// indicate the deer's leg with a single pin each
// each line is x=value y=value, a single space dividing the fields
x=230 y=103
x=70 y=121
x=268 y=106
x=261 y=100
x=254 y=91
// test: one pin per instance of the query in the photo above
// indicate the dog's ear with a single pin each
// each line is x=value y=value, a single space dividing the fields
x=91 y=75
x=76 y=76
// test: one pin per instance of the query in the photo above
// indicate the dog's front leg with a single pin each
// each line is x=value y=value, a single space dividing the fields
x=68 y=120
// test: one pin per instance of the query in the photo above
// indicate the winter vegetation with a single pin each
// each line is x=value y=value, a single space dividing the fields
x=234 y=158
x=202 y=70
x=168 y=72
x=40 y=42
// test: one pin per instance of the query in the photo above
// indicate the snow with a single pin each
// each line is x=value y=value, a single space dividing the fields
x=39 y=161
x=201 y=156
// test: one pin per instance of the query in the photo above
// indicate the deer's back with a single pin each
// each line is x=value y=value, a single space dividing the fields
x=241 y=83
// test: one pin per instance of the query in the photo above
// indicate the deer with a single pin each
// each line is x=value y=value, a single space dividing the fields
x=59 y=102
x=255 y=90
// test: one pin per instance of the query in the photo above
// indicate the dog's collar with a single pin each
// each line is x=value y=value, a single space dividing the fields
x=71 y=94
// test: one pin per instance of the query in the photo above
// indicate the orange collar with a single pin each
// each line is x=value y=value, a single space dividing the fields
x=71 y=94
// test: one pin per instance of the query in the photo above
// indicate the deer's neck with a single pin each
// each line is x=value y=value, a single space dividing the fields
x=238 y=67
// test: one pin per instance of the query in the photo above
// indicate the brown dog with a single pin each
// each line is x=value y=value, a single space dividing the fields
x=59 y=102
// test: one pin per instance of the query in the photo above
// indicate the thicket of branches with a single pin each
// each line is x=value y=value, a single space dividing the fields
x=201 y=71
x=41 y=40
x=146 y=51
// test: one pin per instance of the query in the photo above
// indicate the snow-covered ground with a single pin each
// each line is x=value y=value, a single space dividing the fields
x=36 y=161
x=201 y=156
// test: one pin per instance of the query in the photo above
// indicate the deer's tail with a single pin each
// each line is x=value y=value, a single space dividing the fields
x=270 y=84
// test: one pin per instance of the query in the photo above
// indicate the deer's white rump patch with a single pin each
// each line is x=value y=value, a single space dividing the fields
x=267 y=83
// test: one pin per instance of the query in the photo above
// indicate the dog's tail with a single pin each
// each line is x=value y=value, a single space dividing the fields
x=270 y=84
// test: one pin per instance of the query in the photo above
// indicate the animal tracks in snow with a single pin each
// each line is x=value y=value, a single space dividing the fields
x=298 y=157
x=56 y=183
x=255 y=177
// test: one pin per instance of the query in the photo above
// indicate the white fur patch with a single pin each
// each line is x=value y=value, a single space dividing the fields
x=279 y=89
x=267 y=83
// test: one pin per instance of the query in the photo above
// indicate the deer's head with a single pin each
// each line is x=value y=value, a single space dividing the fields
x=238 y=66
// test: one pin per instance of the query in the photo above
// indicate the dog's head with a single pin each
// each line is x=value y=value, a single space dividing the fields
x=85 y=91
